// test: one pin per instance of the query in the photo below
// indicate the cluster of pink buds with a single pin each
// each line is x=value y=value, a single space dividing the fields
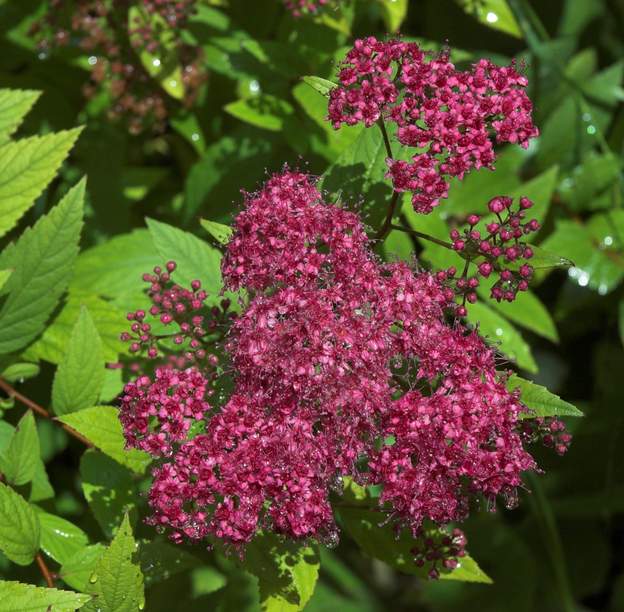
x=551 y=431
x=438 y=549
x=187 y=320
x=302 y=7
x=101 y=30
x=500 y=250
x=451 y=117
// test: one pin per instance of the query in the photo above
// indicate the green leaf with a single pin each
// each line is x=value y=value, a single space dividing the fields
x=60 y=539
x=540 y=400
x=40 y=488
x=109 y=320
x=109 y=488
x=138 y=181
x=593 y=267
x=19 y=527
x=287 y=572
x=394 y=13
x=19 y=597
x=471 y=194
x=194 y=257
x=503 y=334
x=187 y=125
x=117 y=582
x=100 y=425
x=546 y=260
x=359 y=174
x=79 y=377
x=214 y=181
x=264 y=111
x=14 y=106
x=165 y=67
x=220 y=232
x=276 y=56
x=540 y=190
x=382 y=543
x=323 y=86
x=19 y=372
x=494 y=14
x=589 y=180
x=19 y=461
x=117 y=265
x=332 y=142
x=4 y=277
x=27 y=167
x=160 y=560
x=398 y=245
x=78 y=569
x=43 y=259
x=526 y=310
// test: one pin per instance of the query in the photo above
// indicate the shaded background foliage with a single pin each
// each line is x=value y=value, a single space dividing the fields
x=562 y=548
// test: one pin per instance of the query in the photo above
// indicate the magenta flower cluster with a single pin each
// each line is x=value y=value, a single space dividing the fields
x=450 y=118
x=183 y=319
x=500 y=250
x=344 y=366
x=302 y=7
x=157 y=415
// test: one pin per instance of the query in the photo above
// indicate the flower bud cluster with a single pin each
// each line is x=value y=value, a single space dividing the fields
x=450 y=118
x=552 y=432
x=101 y=30
x=184 y=321
x=439 y=550
x=500 y=250
x=303 y=7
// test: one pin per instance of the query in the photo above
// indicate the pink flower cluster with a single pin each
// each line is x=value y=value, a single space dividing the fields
x=157 y=414
x=335 y=354
x=302 y=7
x=500 y=251
x=452 y=117
x=182 y=310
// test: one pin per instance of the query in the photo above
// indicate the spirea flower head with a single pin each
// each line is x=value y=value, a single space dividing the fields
x=448 y=447
x=287 y=235
x=342 y=366
x=451 y=118
x=157 y=414
x=251 y=468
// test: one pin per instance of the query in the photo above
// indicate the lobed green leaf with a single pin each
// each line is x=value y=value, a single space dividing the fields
x=540 y=400
x=117 y=582
x=287 y=572
x=79 y=377
x=19 y=460
x=20 y=531
x=14 y=106
x=27 y=166
x=20 y=597
x=100 y=425
x=43 y=260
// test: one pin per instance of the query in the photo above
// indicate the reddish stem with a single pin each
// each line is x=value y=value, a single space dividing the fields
x=45 y=571
x=41 y=411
